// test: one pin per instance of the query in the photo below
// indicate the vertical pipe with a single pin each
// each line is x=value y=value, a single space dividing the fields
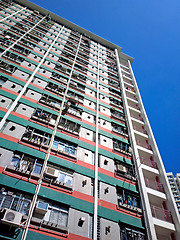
x=96 y=158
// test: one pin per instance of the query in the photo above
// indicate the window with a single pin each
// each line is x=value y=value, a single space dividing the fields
x=15 y=201
x=127 y=198
x=63 y=146
x=65 y=177
x=130 y=234
x=57 y=215
x=26 y=164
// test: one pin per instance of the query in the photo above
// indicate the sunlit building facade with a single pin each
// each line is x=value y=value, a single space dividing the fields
x=78 y=159
x=175 y=187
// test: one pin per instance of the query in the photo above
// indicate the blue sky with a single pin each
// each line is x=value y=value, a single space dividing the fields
x=149 y=31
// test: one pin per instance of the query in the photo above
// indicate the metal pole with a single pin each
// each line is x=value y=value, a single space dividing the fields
x=96 y=158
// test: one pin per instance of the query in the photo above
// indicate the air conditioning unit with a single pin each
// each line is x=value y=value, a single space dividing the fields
x=11 y=217
x=41 y=207
x=121 y=168
x=51 y=172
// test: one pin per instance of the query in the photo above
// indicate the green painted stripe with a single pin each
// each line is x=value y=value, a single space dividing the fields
x=119 y=217
x=17 y=184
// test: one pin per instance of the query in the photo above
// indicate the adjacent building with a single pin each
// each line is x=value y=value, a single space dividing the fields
x=78 y=159
x=175 y=187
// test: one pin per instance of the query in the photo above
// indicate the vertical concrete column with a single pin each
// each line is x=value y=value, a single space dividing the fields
x=144 y=196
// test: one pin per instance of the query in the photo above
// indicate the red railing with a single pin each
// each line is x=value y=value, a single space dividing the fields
x=133 y=106
x=148 y=162
x=154 y=185
x=143 y=144
x=161 y=214
x=140 y=129
x=136 y=117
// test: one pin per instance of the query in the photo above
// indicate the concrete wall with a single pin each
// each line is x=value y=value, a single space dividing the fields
x=5 y=102
x=24 y=110
x=109 y=230
x=82 y=184
x=74 y=222
x=85 y=155
x=108 y=193
x=5 y=157
x=20 y=74
x=12 y=86
x=15 y=130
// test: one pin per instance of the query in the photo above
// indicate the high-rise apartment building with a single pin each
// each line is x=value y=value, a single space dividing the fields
x=78 y=159
x=175 y=187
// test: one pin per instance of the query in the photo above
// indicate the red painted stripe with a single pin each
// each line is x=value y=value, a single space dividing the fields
x=57 y=235
x=9 y=91
x=114 y=207
x=3 y=109
x=30 y=99
x=19 y=115
x=10 y=138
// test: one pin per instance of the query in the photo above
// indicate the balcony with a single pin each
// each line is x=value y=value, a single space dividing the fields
x=21 y=50
x=144 y=144
x=71 y=109
x=63 y=69
x=125 y=171
x=161 y=214
x=131 y=96
x=6 y=67
x=64 y=147
x=133 y=105
x=116 y=103
x=118 y=115
x=36 y=137
x=122 y=147
x=77 y=86
x=44 y=117
x=25 y=165
x=80 y=68
x=75 y=98
x=69 y=126
x=27 y=43
x=119 y=129
x=13 y=57
x=139 y=129
x=59 y=78
x=128 y=201
x=130 y=234
x=130 y=89
x=115 y=92
x=113 y=83
x=148 y=162
x=57 y=89
x=153 y=184
x=79 y=76
x=50 y=101
x=136 y=116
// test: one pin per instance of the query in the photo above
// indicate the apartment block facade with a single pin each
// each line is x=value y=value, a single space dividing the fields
x=175 y=187
x=78 y=159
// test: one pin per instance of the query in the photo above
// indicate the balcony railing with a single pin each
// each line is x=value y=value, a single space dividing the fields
x=7 y=67
x=133 y=106
x=130 y=96
x=140 y=129
x=154 y=185
x=136 y=117
x=130 y=89
x=161 y=214
x=148 y=162
x=144 y=144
